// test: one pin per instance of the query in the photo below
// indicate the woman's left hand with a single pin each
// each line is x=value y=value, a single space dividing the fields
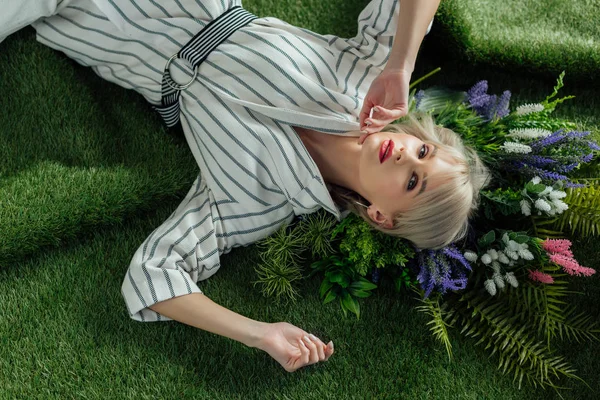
x=292 y=347
x=389 y=95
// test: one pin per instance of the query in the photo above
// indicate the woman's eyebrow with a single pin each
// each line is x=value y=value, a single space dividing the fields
x=423 y=183
x=433 y=153
x=424 y=180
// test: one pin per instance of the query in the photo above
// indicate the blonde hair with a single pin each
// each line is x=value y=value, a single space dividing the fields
x=441 y=216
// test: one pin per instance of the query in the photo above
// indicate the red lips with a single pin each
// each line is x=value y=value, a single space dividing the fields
x=385 y=151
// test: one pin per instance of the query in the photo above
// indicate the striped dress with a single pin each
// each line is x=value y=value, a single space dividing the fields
x=237 y=116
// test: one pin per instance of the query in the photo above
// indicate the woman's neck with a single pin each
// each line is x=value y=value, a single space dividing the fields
x=337 y=157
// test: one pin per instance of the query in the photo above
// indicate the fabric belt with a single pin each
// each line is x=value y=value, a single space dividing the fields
x=195 y=52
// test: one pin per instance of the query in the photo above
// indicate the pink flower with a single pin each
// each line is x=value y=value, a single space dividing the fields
x=557 y=246
x=571 y=266
x=539 y=276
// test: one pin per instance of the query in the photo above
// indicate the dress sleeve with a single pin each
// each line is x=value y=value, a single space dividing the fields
x=183 y=250
x=17 y=14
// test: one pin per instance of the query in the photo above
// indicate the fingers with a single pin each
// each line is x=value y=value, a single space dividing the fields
x=314 y=353
x=328 y=350
x=365 y=112
x=320 y=346
x=382 y=117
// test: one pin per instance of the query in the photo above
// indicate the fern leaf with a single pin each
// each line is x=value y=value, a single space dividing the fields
x=583 y=216
x=439 y=327
x=501 y=329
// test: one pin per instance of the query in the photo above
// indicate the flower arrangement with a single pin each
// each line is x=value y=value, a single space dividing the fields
x=504 y=284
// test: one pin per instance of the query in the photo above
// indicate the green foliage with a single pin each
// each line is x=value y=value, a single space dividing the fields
x=365 y=248
x=439 y=327
x=503 y=201
x=276 y=280
x=518 y=326
x=543 y=119
x=342 y=282
x=280 y=266
x=499 y=327
x=485 y=138
x=583 y=216
x=551 y=105
x=284 y=247
x=544 y=307
x=316 y=232
x=403 y=280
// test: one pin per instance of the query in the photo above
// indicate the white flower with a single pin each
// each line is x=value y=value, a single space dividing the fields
x=486 y=259
x=511 y=263
x=513 y=246
x=557 y=194
x=525 y=208
x=529 y=133
x=526 y=254
x=560 y=206
x=511 y=279
x=498 y=280
x=524 y=245
x=542 y=205
x=490 y=286
x=517 y=148
x=536 y=179
x=545 y=191
x=529 y=108
x=470 y=256
x=505 y=238
x=511 y=254
x=502 y=258
x=493 y=253
x=496 y=266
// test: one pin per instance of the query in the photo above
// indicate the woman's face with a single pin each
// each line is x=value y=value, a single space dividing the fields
x=395 y=168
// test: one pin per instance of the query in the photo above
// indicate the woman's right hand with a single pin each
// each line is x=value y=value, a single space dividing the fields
x=292 y=347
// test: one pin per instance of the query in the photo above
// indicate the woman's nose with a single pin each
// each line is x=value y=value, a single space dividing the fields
x=401 y=154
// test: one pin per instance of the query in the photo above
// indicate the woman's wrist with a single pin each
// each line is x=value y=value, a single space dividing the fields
x=399 y=66
x=255 y=333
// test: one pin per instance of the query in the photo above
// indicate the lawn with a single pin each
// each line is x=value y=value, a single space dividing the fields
x=88 y=172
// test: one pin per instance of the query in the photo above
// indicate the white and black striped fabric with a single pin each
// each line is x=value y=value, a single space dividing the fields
x=194 y=52
x=237 y=116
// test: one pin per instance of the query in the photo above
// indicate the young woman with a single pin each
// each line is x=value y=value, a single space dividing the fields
x=272 y=115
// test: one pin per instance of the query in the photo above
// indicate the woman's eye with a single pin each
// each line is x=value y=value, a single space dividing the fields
x=424 y=151
x=413 y=182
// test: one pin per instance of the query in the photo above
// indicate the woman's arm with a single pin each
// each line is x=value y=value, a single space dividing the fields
x=290 y=346
x=414 y=18
x=388 y=93
x=201 y=312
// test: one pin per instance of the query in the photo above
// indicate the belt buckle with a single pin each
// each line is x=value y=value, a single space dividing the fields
x=171 y=82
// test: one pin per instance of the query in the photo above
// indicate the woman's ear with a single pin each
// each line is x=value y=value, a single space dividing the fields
x=378 y=217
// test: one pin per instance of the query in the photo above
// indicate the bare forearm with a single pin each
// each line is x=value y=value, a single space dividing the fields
x=201 y=312
x=414 y=18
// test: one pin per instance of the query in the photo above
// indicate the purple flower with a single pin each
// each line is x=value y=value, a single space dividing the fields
x=537 y=161
x=548 y=140
x=502 y=107
x=574 y=185
x=567 y=168
x=441 y=270
x=486 y=105
x=577 y=134
x=587 y=158
x=477 y=90
x=592 y=145
x=418 y=98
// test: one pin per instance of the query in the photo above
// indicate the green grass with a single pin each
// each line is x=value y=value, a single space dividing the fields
x=76 y=152
x=88 y=172
x=542 y=36
x=65 y=333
